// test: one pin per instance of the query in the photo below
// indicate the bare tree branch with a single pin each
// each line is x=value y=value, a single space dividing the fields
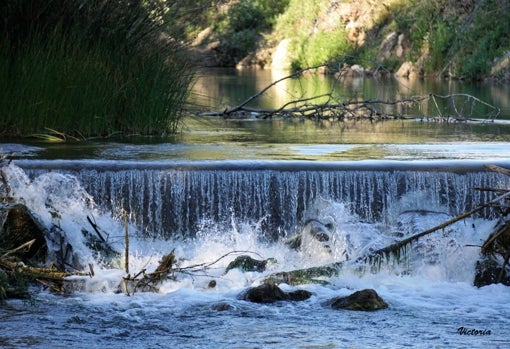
x=457 y=106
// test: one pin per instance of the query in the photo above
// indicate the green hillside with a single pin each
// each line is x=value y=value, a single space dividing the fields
x=458 y=39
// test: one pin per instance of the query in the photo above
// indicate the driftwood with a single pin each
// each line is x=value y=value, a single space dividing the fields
x=50 y=278
x=497 y=243
x=452 y=107
x=394 y=248
x=143 y=281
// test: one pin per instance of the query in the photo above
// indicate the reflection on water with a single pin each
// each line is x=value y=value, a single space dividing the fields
x=208 y=138
x=217 y=89
x=213 y=130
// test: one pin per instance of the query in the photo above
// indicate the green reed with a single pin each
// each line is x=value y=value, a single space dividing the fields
x=82 y=82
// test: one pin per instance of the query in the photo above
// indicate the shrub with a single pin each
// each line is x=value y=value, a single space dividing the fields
x=243 y=25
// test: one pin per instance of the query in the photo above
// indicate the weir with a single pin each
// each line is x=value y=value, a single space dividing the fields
x=173 y=199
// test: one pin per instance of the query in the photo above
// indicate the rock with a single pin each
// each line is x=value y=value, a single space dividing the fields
x=299 y=295
x=19 y=226
x=222 y=306
x=269 y=292
x=487 y=272
x=365 y=300
x=501 y=64
x=315 y=240
x=407 y=70
x=387 y=46
x=246 y=263
x=493 y=265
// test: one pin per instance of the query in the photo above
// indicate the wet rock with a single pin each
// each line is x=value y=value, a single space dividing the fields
x=365 y=300
x=315 y=236
x=299 y=295
x=222 y=306
x=488 y=271
x=19 y=226
x=269 y=292
x=247 y=263
x=494 y=265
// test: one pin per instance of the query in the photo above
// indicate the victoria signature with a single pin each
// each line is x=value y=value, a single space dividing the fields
x=473 y=331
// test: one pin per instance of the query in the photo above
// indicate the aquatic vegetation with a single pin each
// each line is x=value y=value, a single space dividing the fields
x=89 y=69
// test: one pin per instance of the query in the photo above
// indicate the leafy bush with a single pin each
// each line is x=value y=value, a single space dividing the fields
x=478 y=46
x=322 y=48
x=242 y=26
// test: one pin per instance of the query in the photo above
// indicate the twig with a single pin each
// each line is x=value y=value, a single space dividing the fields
x=26 y=245
x=126 y=240
x=96 y=229
x=204 y=266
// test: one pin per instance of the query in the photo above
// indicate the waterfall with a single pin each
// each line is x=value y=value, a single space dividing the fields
x=172 y=199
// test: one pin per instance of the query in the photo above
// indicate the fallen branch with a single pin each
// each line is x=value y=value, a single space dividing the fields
x=457 y=107
x=48 y=277
x=498 y=242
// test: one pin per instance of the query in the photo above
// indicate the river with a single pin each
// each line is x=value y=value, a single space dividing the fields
x=221 y=188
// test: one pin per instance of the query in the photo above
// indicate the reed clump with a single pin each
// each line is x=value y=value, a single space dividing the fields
x=90 y=68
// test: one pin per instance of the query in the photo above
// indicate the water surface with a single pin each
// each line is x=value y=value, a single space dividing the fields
x=223 y=186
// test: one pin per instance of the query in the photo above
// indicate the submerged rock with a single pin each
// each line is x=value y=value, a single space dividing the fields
x=269 y=292
x=365 y=300
x=222 y=306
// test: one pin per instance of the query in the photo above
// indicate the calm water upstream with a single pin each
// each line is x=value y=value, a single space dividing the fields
x=222 y=188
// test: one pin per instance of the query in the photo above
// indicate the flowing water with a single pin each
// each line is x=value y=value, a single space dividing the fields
x=224 y=188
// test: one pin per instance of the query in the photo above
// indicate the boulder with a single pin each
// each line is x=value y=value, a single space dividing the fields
x=18 y=227
x=365 y=300
x=269 y=292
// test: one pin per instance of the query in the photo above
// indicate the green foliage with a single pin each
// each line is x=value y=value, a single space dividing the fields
x=298 y=19
x=89 y=68
x=322 y=48
x=242 y=26
x=420 y=20
x=478 y=46
x=466 y=38
x=439 y=41
x=311 y=46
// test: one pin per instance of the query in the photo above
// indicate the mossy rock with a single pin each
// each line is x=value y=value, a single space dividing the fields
x=247 y=263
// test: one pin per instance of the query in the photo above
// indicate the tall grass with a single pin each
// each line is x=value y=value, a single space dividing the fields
x=92 y=71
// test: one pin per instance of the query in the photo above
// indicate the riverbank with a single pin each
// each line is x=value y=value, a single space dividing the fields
x=435 y=39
